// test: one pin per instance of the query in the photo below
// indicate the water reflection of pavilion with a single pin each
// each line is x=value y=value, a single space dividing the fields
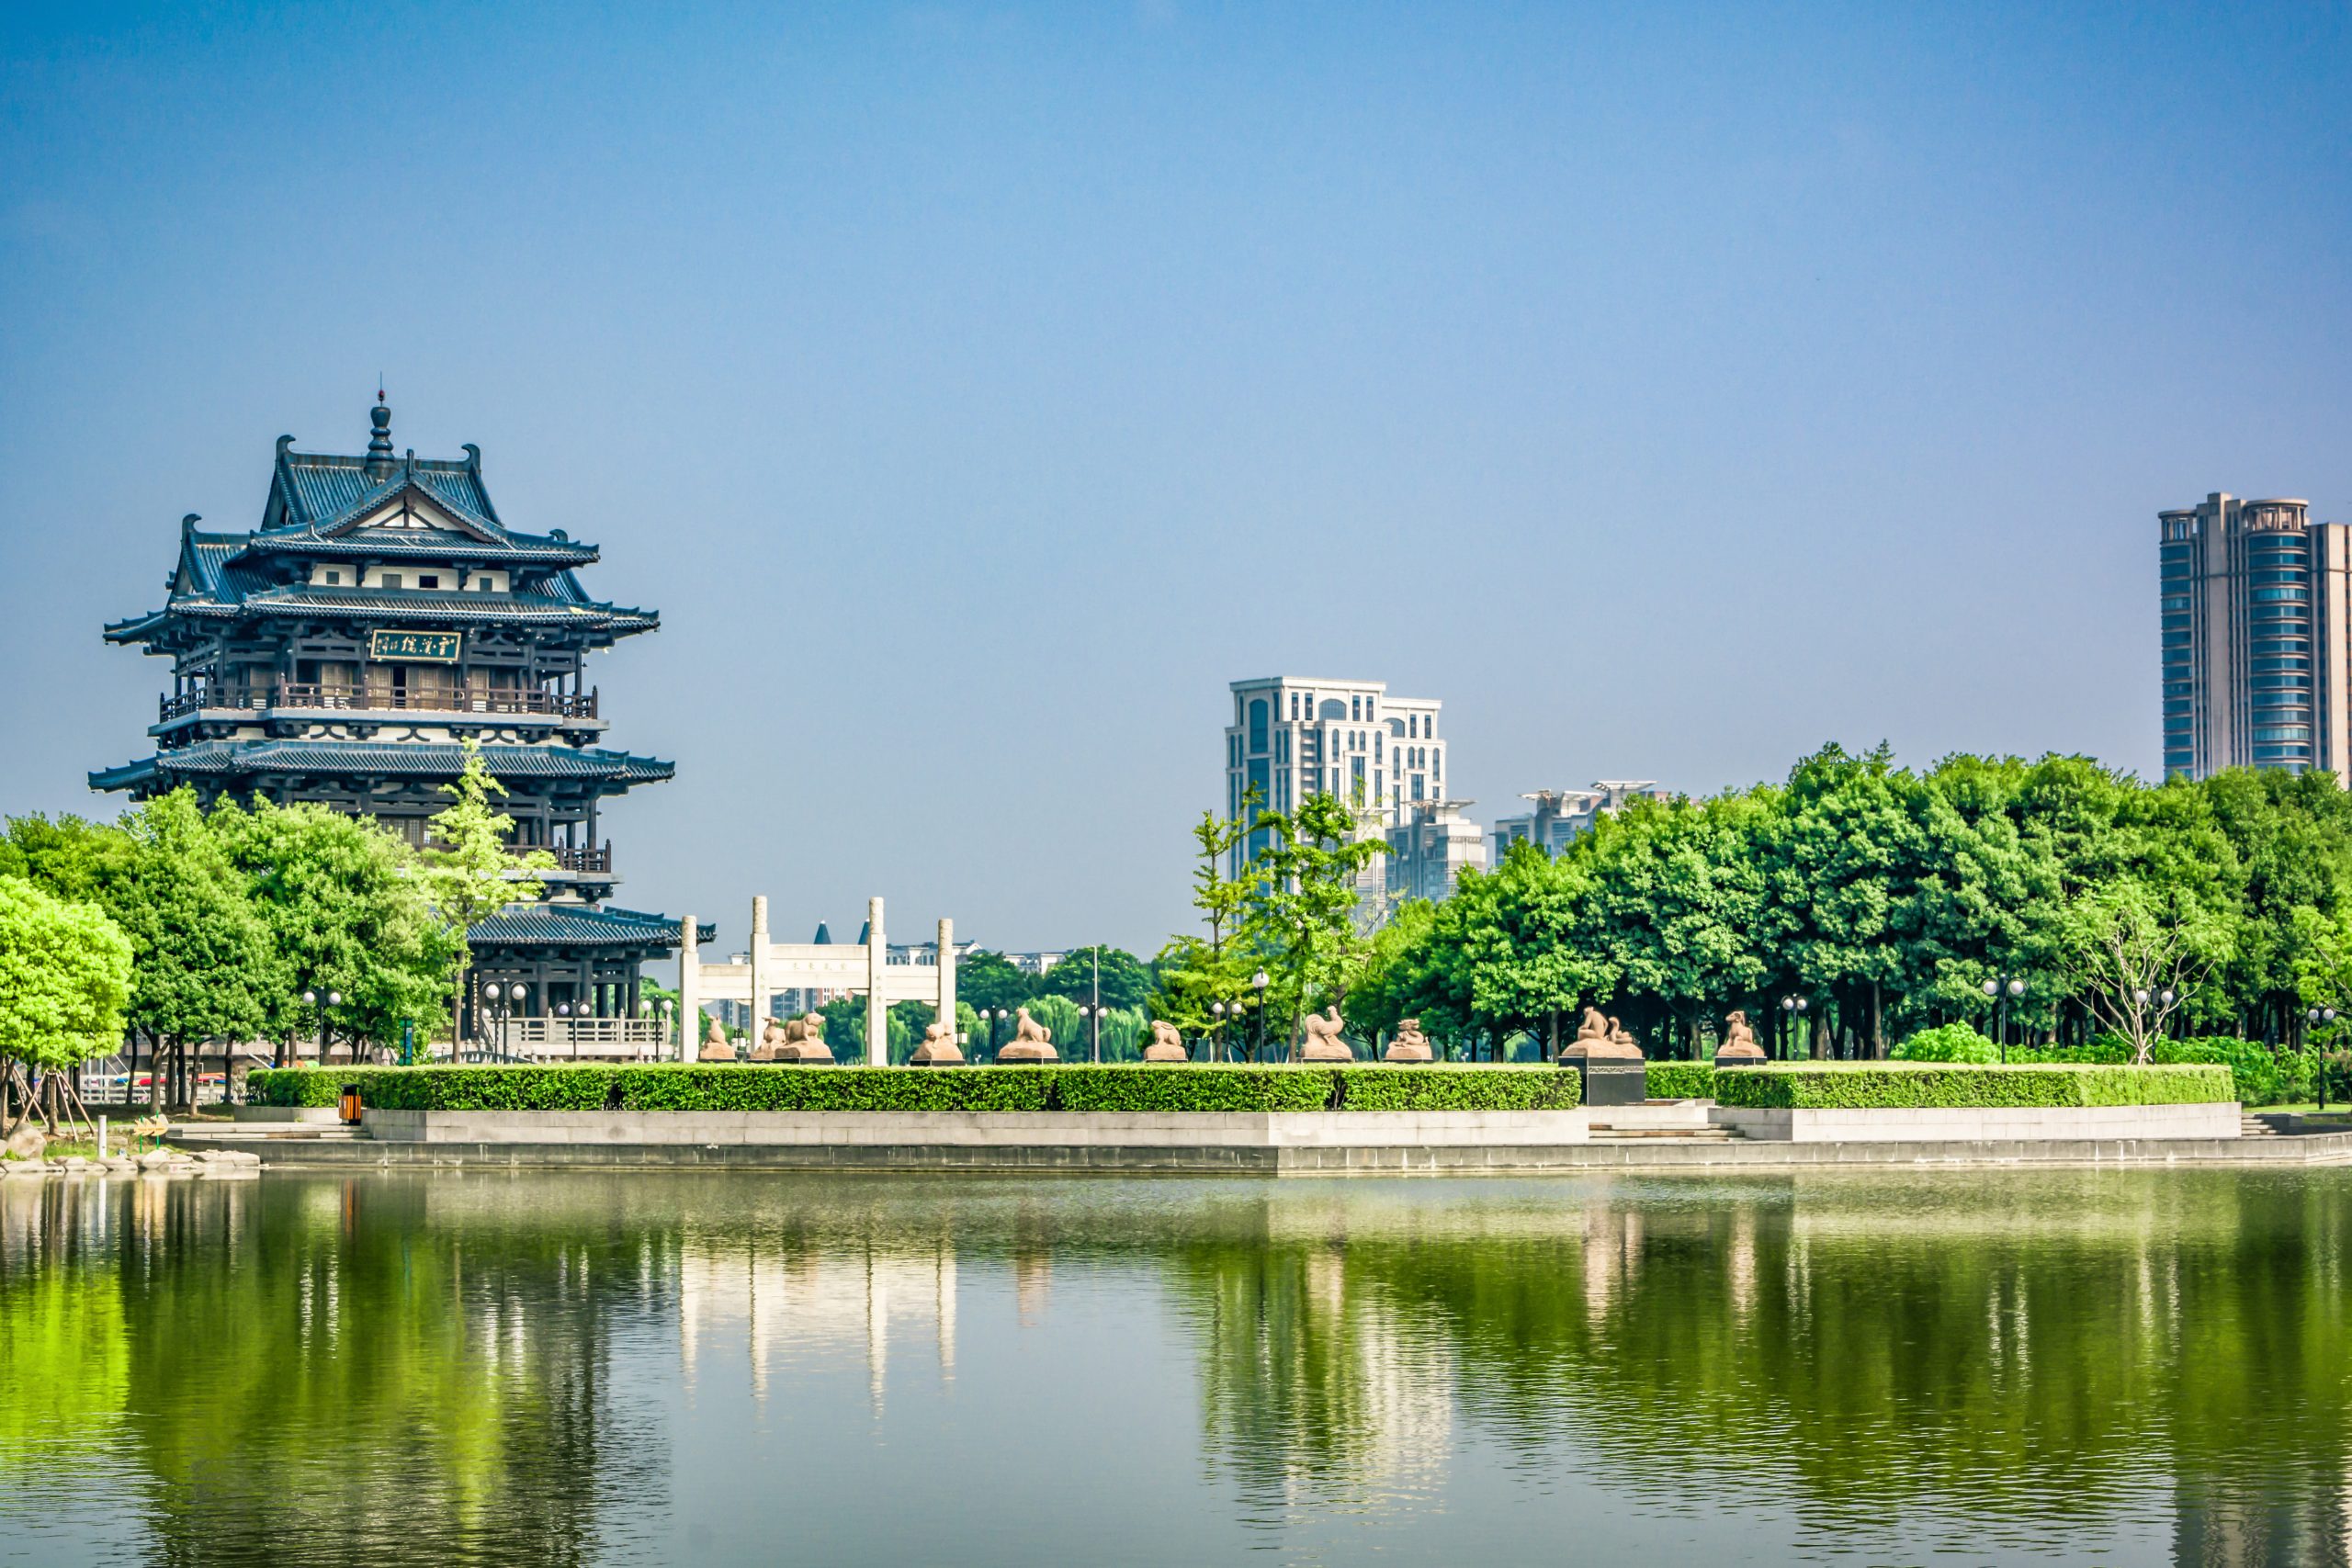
x=815 y=1305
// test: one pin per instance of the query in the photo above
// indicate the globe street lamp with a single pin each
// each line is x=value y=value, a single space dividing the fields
x=1258 y=983
x=310 y=999
x=1793 y=1009
x=2001 y=989
x=1217 y=1029
x=501 y=1001
x=1092 y=1016
x=2319 y=1072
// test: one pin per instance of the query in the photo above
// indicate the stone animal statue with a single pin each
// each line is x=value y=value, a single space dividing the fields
x=939 y=1045
x=1599 y=1036
x=1739 y=1039
x=1323 y=1043
x=1410 y=1045
x=804 y=1040
x=1032 y=1041
x=770 y=1038
x=1166 y=1045
x=714 y=1047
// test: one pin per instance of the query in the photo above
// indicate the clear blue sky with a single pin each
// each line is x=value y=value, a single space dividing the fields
x=975 y=390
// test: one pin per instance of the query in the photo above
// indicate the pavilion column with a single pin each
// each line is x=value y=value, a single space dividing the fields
x=759 y=965
x=689 y=989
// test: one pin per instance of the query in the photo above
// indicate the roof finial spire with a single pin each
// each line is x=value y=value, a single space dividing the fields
x=379 y=444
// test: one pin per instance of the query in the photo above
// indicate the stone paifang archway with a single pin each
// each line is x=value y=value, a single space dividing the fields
x=775 y=966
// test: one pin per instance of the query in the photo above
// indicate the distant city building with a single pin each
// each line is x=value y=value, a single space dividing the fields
x=1294 y=736
x=2257 y=666
x=1428 y=852
x=1563 y=815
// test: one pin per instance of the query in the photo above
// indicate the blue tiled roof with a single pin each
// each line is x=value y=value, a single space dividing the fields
x=522 y=548
x=320 y=487
x=577 y=925
x=240 y=758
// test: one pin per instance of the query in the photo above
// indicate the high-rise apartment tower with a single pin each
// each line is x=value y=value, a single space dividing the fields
x=2257 y=667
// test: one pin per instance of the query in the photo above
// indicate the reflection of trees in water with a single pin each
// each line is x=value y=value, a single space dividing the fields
x=2016 y=1352
x=311 y=1371
x=316 y=1375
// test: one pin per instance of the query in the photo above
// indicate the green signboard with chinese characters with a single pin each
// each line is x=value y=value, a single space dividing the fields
x=423 y=648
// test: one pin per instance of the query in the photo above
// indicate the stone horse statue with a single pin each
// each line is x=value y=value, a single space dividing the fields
x=1323 y=1043
x=1166 y=1045
x=1032 y=1041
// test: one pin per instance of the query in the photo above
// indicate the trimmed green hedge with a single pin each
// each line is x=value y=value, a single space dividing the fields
x=1073 y=1087
x=1175 y=1087
x=1434 y=1087
x=1680 y=1080
x=1826 y=1086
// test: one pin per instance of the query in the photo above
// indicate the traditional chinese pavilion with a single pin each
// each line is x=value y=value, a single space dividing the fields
x=340 y=653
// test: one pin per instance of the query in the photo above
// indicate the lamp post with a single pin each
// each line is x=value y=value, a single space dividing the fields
x=2000 y=989
x=2319 y=1068
x=1217 y=1029
x=1258 y=983
x=310 y=999
x=1091 y=1014
x=664 y=1007
x=499 y=1002
x=1794 y=1008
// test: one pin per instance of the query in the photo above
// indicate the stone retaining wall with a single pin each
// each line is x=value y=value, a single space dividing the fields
x=1989 y=1124
x=998 y=1129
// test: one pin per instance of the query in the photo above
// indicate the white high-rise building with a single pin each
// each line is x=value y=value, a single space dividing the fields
x=1293 y=736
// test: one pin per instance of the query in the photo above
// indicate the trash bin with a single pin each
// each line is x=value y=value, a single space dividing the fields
x=351 y=1105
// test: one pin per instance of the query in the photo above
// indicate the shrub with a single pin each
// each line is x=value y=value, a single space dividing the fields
x=2264 y=1077
x=1946 y=1042
x=1075 y=1087
x=1434 y=1087
x=1873 y=1086
x=1680 y=1080
x=1176 y=1086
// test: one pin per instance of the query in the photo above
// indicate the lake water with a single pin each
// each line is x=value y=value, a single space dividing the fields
x=673 y=1367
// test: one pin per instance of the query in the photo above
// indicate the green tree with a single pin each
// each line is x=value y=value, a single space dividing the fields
x=1301 y=922
x=1200 y=979
x=347 y=912
x=64 y=981
x=987 y=979
x=203 y=965
x=1124 y=980
x=471 y=873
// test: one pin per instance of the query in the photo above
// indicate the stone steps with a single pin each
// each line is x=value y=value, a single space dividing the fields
x=1605 y=1135
x=2252 y=1126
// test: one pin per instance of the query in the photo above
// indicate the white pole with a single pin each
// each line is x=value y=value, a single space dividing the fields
x=759 y=965
x=878 y=1002
x=947 y=976
x=102 y=1137
x=689 y=990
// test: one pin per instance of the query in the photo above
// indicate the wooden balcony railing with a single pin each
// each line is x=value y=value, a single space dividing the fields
x=530 y=702
x=598 y=861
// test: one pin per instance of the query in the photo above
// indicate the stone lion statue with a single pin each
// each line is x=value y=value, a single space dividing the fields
x=1739 y=1039
x=1032 y=1041
x=939 y=1047
x=1323 y=1043
x=1410 y=1045
x=804 y=1040
x=1166 y=1045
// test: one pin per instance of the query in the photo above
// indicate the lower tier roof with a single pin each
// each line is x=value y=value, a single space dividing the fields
x=577 y=925
x=231 y=759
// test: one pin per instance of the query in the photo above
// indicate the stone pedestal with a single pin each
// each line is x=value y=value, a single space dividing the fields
x=1315 y=1049
x=1610 y=1080
x=1402 y=1051
x=1026 y=1051
x=1725 y=1059
x=1157 y=1052
x=805 y=1052
x=937 y=1054
x=716 y=1051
